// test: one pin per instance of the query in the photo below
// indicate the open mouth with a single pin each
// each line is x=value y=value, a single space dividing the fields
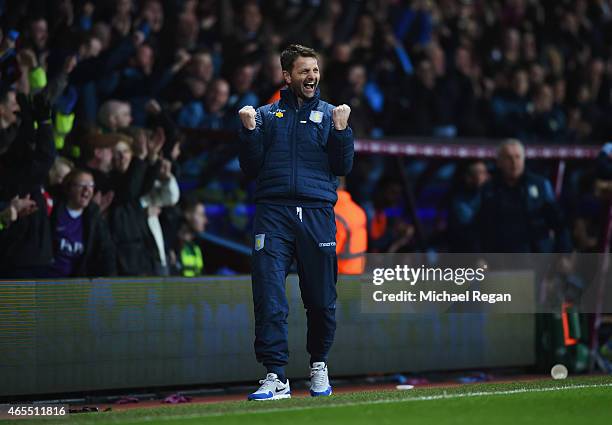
x=310 y=86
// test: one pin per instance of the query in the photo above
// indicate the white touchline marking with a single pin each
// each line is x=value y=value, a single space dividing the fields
x=359 y=403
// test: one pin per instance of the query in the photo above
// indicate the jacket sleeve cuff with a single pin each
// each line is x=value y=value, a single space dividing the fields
x=347 y=132
x=247 y=134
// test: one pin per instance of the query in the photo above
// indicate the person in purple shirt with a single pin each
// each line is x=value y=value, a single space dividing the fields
x=81 y=241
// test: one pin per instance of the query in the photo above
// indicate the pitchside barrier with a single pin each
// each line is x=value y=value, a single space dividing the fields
x=118 y=334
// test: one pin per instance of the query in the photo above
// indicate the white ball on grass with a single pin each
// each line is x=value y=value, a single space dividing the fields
x=558 y=371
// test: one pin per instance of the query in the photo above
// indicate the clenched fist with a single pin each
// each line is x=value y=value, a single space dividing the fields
x=247 y=116
x=340 y=116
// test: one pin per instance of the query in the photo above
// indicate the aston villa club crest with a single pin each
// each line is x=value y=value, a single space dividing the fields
x=260 y=241
x=316 y=116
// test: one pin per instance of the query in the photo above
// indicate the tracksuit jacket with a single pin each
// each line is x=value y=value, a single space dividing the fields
x=291 y=155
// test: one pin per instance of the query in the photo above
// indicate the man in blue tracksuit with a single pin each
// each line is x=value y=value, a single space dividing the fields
x=295 y=148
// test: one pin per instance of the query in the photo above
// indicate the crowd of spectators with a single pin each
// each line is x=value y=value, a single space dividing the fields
x=107 y=109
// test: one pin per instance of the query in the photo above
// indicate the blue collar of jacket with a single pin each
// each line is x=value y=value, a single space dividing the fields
x=289 y=97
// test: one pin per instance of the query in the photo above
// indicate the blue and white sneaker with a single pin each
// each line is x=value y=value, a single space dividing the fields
x=271 y=389
x=319 y=381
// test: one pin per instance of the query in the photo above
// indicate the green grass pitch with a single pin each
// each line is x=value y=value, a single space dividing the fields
x=586 y=400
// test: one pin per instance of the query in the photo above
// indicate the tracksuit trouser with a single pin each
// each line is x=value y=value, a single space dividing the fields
x=282 y=233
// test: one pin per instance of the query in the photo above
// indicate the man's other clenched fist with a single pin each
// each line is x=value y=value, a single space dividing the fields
x=340 y=116
x=247 y=116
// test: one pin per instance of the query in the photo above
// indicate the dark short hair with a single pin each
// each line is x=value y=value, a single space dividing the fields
x=71 y=178
x=291 y=53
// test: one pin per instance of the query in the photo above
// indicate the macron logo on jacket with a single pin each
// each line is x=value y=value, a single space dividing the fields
x=324 y=244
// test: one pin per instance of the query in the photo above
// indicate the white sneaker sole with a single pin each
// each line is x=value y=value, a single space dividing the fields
x=325 y=393
x=276 y=397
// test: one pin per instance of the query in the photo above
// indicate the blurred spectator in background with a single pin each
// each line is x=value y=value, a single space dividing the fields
x=190 y=83
x=446 y=100
x=243 y=93
x=465 y=200
x=547 y=120
x=336 y=70
x=27 y=155
x=270 y=79
x=10 y=122
x=510 y=105
x=604 y=162
x=351 y=232
x=38 y=38
x=469 y=103
x=115 y=115
x=61 y=168
x=422 y=97
x=249 y=38
x=135 y=168
x=388 y=231
x=519 y=212
x=141 y=81
x=211 y=114
x=11 y=211
x=82 y=245
x=165 y=193
x=188 y=259
x=98 y=161
x=53 y=188
x=216 y=114
x=363 y=117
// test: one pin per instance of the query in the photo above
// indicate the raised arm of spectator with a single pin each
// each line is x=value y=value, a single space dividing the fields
x=98 y=67
x=30 y=164
x=159 y=117
x=129 y=185
x=44 y=152
x=165 y=192
x=155 y=143
x=59 y=82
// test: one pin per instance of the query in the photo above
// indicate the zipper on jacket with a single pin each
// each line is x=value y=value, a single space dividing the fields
x=293 y=136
